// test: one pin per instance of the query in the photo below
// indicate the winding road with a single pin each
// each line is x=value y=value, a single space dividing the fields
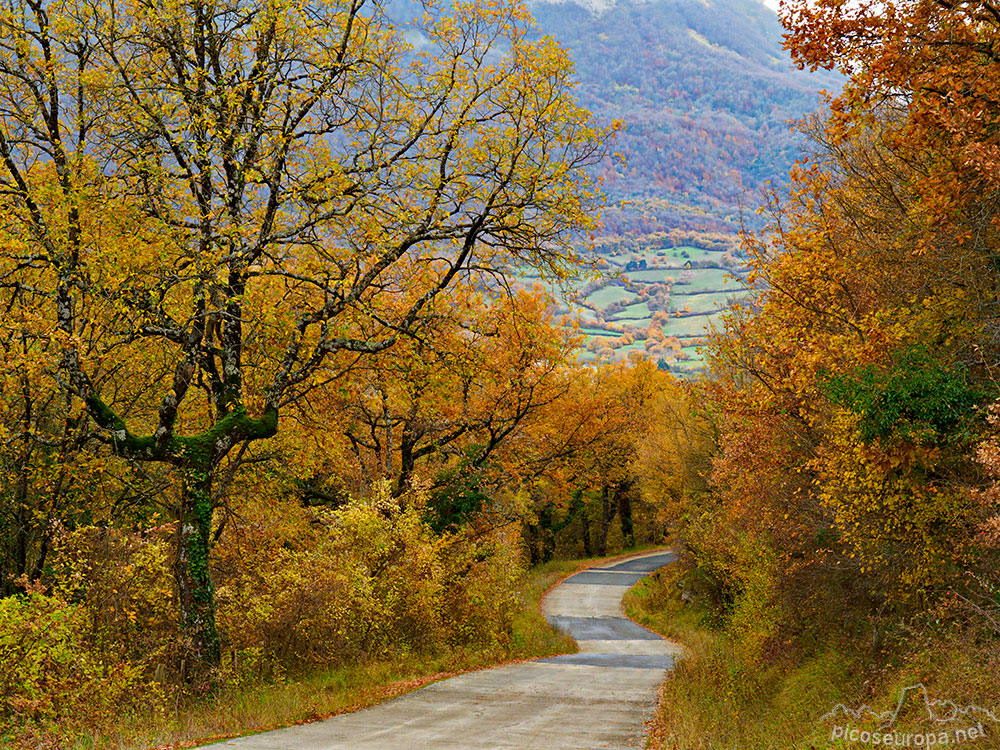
x=600 y=697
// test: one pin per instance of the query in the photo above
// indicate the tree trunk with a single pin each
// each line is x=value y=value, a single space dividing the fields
x=196 y=592
x=625 y=517
x=608 y=510
x=546 y=540
x=22 y=515
x=578 y=509
x=531 y=542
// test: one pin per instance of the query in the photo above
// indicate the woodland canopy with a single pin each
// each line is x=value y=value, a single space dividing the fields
x=213 y=210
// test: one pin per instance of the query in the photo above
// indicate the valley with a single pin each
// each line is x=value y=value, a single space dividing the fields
x=707 y=99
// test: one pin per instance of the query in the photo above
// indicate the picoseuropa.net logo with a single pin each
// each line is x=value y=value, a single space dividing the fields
x=949 y=724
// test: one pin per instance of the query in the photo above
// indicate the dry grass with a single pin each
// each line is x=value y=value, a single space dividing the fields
x=323 y=693
x=714 y=699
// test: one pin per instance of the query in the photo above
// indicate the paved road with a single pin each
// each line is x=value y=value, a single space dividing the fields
x=597 y=698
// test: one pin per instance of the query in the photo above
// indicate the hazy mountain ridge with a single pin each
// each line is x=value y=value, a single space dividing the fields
x=706 y=92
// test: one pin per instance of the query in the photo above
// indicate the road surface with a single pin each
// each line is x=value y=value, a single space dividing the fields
x=600 y=697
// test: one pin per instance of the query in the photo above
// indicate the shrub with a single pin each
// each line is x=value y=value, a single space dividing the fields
x=52 y=679
x=318 y=585
x=124 y=582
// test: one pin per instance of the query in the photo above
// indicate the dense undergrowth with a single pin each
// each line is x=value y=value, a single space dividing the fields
x=72 y=689
x=720 y=697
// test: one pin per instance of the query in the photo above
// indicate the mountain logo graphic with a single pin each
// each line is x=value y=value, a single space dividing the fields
x=939 y=711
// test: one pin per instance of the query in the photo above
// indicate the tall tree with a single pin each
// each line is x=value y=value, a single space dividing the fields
x=582 y=456
x=203 y=200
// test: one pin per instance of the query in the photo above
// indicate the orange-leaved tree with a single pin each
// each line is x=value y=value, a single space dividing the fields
x=445 y=410
x=847 y=388
x=581 y=460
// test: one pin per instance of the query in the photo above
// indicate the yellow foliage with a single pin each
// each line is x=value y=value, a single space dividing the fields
x=53 y=677
x=894 y=525
x=315 y=585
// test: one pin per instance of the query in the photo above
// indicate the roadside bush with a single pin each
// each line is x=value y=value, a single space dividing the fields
x=297 y=588
x=52 y=679
x=301 y=586
x=479 y=595
x=125 y=586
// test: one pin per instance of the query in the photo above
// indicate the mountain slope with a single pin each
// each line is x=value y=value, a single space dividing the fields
x=706 y=93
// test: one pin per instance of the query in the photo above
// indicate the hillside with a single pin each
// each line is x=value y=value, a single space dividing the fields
x=706 y=94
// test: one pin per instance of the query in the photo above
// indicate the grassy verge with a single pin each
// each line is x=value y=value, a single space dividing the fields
x=716 y=698
x=713 y=698
x=323 y=693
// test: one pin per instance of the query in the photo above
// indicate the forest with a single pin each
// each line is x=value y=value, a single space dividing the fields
x=270 y=403
x=284 y=433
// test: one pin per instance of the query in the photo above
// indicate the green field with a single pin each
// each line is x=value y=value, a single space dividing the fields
x=638 y=346
x=676 y=257
x=703 y=302
x=668 y=255
x=638 y=310
x=608 y=295
x=653 y=275
x=709 y=279
x=692 y=326
x=708 y=291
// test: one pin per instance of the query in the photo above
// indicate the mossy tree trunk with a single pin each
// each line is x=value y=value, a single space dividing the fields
x=195 y=589
x=195 y=460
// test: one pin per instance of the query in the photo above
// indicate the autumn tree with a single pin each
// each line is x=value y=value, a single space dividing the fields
x=932 y=67
x=444 y=410
x=204 y=200
x=583 y=458
x=848 y=389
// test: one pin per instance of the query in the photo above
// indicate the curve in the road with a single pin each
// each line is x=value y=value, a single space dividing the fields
x=597 y=698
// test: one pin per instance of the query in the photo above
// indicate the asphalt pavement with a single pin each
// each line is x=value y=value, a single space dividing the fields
x=600 y=697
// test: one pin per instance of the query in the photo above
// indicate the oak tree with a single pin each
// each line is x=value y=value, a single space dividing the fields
x=205 y=199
